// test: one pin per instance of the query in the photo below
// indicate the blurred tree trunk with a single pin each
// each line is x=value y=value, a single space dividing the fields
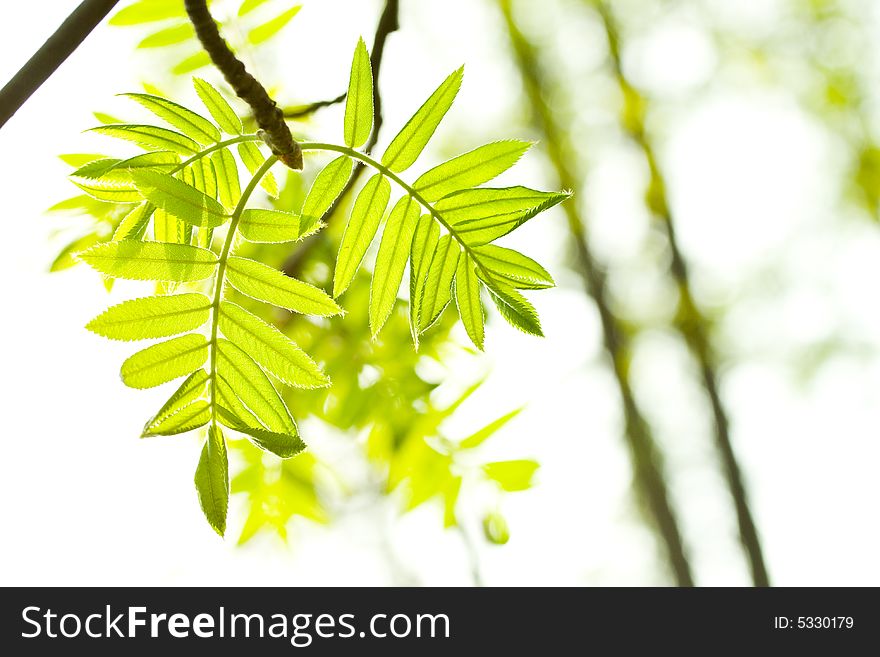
x=645 y=455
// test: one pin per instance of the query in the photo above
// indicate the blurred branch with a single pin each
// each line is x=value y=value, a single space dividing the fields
x=305 y=110
x=269 y=116
x=388 y=23
x=644 y=453
x=689 y=320
x=473 y=555
x=57 y=48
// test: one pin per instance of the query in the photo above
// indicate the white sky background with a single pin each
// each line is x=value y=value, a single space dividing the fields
x=83 y=501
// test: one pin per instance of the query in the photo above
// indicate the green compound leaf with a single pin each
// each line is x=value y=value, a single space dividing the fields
x=150 y=137
x=212 y=480
x=271 y=226
x=470 y=169
x=151 y=261
x=218 y=108
x=179 y=199
x=272 y=350
x=467 y=298
x=391 y=261
x=359 y=100
x=328 y=185
x=165 y=361
x=264 y=283
x=360 y=230
x=152 y=317
x=406 y=147
x=188 y=122
x=253 y=388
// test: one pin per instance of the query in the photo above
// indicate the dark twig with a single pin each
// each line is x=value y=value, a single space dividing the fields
x=269 y=116
x=58 y=47
x=644 y=453
x=689 y=321
x=388 y=23
x=305 y=110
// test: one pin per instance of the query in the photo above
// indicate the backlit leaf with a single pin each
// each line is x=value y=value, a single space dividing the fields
x=391 y=261
x=212 y=480
x=513 y=268
x=270 y=226
x=188 y=122
x=165 y=361
x=150 y=137
x=328 y=185
x=228 y=185
x=512 y=475
x=359 y=101
x=151 y=261
x=273 y=350
x=253 y=159
x=438 y=284
x=406 y=147
x=271 y=27
x=424 y=244
x=264 y=283
x=179 y=199
x=467 y=298
x=152 y=317
x=218 y=108
x=470 y=169
x=360 y=230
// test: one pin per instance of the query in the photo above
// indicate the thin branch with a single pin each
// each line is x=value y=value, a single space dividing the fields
x=388 y=23
x=305 y=110
x=269 y=116
x=689 y=321
x=644 y=453
x=57 y=48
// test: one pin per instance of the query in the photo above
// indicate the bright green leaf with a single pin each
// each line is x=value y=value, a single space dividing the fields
x=513 y=268
x=193 y=388
x=168 y=36
x=148 y=11
x=188 y=122
x=359 y=101
x=191 y=63
x=467 y=298
x=270 y=226
x=391 y=261
x=424 y=244
x=151 y=261
x=150 y=137
x=470 y=169
x=152 y=317
x=165 y=361
x=479 y=216
x=437 y=290
x=328 y=185
x=480 y=436
x=406 y=147
x=273 y=350
x=514 y=308
x=270 y=28
x=217 y=106
x=251 y=385
x=228 y=185
x=212 y=480
x=253 y=159
x=360 y=230
x=264 y=283
x=179 y=199
x=512 y=475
